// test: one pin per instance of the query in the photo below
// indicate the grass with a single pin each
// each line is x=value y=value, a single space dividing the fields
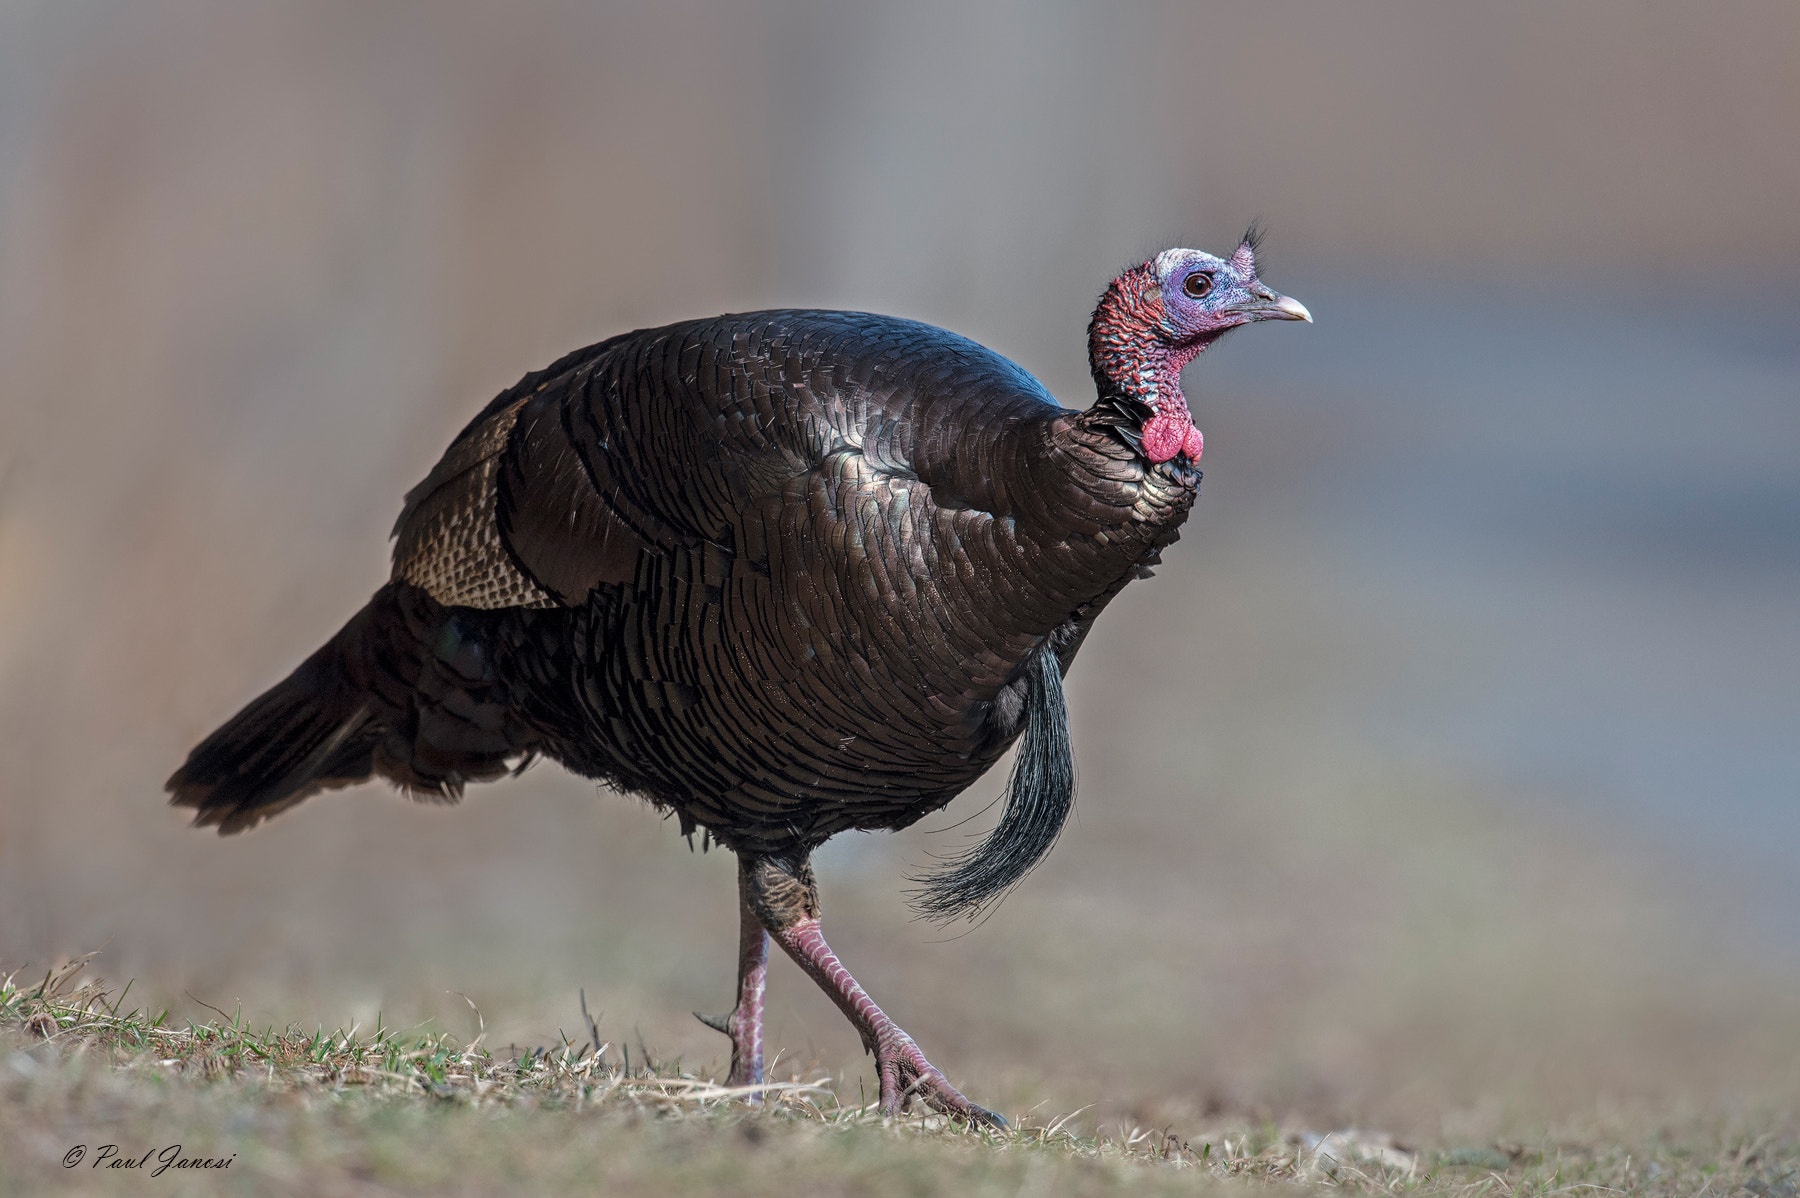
x=384 y=1110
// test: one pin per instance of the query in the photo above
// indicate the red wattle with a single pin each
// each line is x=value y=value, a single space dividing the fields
x=1194 y=444
x=1164 y=437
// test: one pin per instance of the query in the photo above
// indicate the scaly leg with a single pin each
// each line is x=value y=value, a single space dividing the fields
x=745 y=1023
x=783 y=896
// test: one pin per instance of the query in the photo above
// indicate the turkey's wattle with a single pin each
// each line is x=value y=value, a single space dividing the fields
x=1166 y=436
x=784 y=574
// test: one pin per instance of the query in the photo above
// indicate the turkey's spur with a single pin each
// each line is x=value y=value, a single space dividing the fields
x=784 y=574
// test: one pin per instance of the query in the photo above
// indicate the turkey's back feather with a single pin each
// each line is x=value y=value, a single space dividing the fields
x=448 y=540
x=668 y=436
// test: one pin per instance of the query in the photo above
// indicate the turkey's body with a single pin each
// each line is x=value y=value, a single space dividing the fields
x=854 y=533
x=784 y=574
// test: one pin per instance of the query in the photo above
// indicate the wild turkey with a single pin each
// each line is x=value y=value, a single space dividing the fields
x=783 y=574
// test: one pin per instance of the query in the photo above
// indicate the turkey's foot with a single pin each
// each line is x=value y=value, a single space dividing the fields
x=906 y=1074
x=904 y=1071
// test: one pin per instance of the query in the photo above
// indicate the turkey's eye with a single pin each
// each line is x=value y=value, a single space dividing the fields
x=1197 y=285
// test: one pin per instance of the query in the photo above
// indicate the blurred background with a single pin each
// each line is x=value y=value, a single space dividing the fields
x=1480 y=801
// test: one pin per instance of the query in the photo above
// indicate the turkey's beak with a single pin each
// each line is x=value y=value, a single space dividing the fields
x=1275 y=307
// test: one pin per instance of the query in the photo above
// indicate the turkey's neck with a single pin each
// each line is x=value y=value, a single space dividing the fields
x=1148 y=375
x=1140 y=389
x=1138 y=372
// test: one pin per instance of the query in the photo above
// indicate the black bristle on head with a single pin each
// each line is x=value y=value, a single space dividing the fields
x=1253 y=236
x=1039 y=795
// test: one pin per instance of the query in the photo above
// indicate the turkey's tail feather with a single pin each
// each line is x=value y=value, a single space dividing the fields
x=308 y=732
x=1039 y=796
x=407 y=691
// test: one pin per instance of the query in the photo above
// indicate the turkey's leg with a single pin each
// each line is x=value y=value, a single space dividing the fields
x=784 y=897
x=745 y=1023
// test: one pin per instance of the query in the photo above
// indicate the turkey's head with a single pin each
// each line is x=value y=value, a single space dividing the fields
x=1156 y=317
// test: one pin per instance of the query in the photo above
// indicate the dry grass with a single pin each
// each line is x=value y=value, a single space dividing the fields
x=353 y=1111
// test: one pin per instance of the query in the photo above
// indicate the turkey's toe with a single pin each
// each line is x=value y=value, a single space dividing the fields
x=912 y=1076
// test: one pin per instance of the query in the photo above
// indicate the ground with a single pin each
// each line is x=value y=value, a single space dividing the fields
x=95 y=1098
